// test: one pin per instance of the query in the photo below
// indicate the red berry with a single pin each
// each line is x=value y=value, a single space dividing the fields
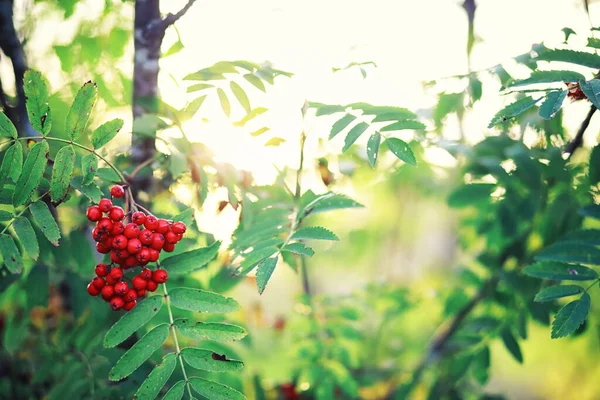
x=104 y=225
x=108 y=292
x=117 y=303
x=105 y=205
x=138 y=218
x=117 y=191
x=131 y=231
x=108 y=242
x=121 y=288
x=120 y=242
x=160 y=276
x=169 y=247
x=131 y=262
x=151 y=287
x=117 y=228
x=129 y=305
x=143 y=255
x=133 y=245
x=154 y=255
x=163 y=226
x=158 y=241
x=114 y=257
x=171 y=237
x=101 y=248
x=98 y=235
x=138 y=282
x=110 y=280
x=116 y=213
x=146 y=236
x=122 y=254
x=146 y=274
x=130 y=295
x=141 y=293
x=98 y=282
x=101 y=270
x=178 y=227
x=94 y=213
x=93 y=290
x=116 y=273
x=151 y=222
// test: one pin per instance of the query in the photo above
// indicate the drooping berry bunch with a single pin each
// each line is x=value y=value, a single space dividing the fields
x=131 y=244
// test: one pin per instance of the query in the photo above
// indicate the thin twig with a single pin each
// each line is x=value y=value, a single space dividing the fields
x=170 y=19
x=578 y=140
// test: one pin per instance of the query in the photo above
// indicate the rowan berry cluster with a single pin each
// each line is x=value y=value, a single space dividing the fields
x=574 y=91
x=130 y=245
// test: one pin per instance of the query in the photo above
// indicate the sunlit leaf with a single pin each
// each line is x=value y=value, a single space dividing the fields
x=549 y=77
x=571 y=316
x=511 y=344
x=315 y=233
x=401 y=150
x=251 y=115
x=298 y=248
x=341 y=124
x=556 y=292
x=592 y=90
x=133 y=320
x=191 y=260
x=264 y=272
x=552 y=104
x=570 y=56
x=373 y=148
x=7 y=128
x=405 y=124
x=202 y=301
x=274 y=141
x=89 y=166
x=225 y=105
x=62 y=172
x=513 y=110
x=106 y=132
x=33 y=169
x=240 y=95
x=12 y=164
x=36 y=93
x=354 y=134
x=570 y=252
x=256 y=82
x=81 y=108
x=560 y=272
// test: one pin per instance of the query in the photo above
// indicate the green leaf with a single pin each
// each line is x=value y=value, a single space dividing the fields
x=191 y=260
x=89 y=166
x=592 y=90
x=593 y=42
x=214 y=391
x=106 y=132
x=7 y=128
x=133 y=320
x=373 y=148
x=174 y=49
x=481 y=365
x=91 y=191
x=570 y=252
x=472 y=194
x=12 y=164
x=314 y=232
x=192 y=108
x=341 y=124
x=556 y=292
x=259 y=131
x=202 y=301
x=512 y=110
x=570 y=56
x=224 y=102
x=10 y=253
x=256 y=81
x=326 y=109
x=33 y=170
x=45 y=220
x=176 y=391
x=552 y=104
x=594 y=166
x=592 y=211
x=205 y=360
x=251 y=115
x=209 y=330
x=79 y=114
x=298 y=248
x=187 y=217
x=549 y=77
x=401 y=150
x=255 y=257
x=405 y=124
x=157 y=378
x=354 y=134
x=240 y=95
x=511 y=344
x=264 y=272
x=571 y=316
x=139 y=352
x=199 y=86
x=27 y=237
x=62 y=172
x=560 y=272
x=328 y=202
x=589 y=236
x=36 y=93
x=392 y=114
x=274 y=141
x=6 y=216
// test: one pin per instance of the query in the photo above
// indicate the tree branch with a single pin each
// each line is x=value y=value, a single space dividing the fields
x=578 y=140
x=170 y=19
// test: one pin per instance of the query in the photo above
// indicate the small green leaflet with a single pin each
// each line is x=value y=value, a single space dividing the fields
x=224 y=102
x=199 y=86
x=325 y=109
x=511 y=344
x=592 y=211
x=589 y=236
x=556 y=292
x=12 y=164
x=7 y=128
x=549 y=77
x=392 y=114
x=106 y=132
x=6 y=216
x=594 y=166
x=204 y=360
x=592 y=90
x=192 y=108
x=240 y=95
x=552 y=104
x=187 y=217
x=401 y=150
x=157 y=378
x=139 y=352
x=214 y=391
x=255 y=80
x=472 y=194
x=354 y=134
x=313 y=232
x=10 y=253
x=209 y=330
x=298 y=248
x=570 y=252
x=191 y=260
x=571 y=316
x=27 y=237
x=328 y=202
x=202 y=301
x=33 y=169
x=568 y=32
x=264 y=272
x=512 y=110
x=62 y=172
x=45 y=220
x=81 y=108
x=373 y=148
x=404 y=124
x=274 y=141
x=36 y=93
x=560 y=272
x=133 y=320
x=253 y=258
x=571 y=56
x=593 y=42
x=89 y=166
x=341 y=124
x=259 y=131
x=91 y=191
x=176 y=391
x=250 y=116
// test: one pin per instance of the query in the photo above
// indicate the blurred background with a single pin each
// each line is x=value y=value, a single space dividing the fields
x=399 y=257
